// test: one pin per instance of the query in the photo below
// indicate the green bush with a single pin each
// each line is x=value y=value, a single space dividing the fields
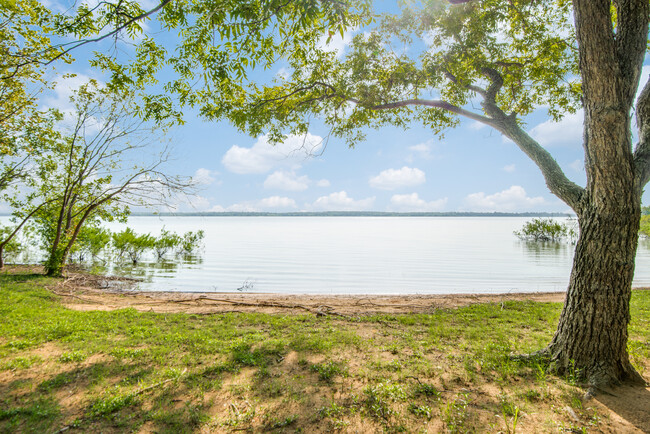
x=191 y=242
x=541 y=229
x=132 y=245
x=167 y=241
x=90 y=242
x=14 y=247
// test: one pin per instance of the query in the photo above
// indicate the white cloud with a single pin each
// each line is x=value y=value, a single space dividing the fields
x=412 y=202
x=336 y=43
x=262 y=156
x=340 y=201
x=476 y=125
x=192 y=202
x=323 y=183
x=512 y=199
x=203 y=176
x=567 y=132
x=276 y=202
x=65 y=87
x=578 y=165
x=238 y=207
x=273 y=203
x=509 y=168
x=392 y=179
x=283 y=73
x=289 y=181
x=422 y=150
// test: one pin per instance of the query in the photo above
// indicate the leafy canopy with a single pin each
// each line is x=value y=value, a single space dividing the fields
x=430 y=63
x=216 y=44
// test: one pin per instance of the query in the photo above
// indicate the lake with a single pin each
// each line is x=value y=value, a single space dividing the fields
x=362 y=255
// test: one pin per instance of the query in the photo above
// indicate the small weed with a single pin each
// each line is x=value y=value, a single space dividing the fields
x=420 y=410
x=74 y=356
x=340 y=424
x=532 y=395
x=507 y=407
x=21 y=363
x=573 y=375
x=127 y=353
x=454 y=414
x=103 y=407
x=239 y=417
x=276 y=423
x=333 y=410
x=327 y=371
x=379 y=397
x=272 y=388
x=392 y=348
x=423 y=389
x=541 y=372
x=20 y=345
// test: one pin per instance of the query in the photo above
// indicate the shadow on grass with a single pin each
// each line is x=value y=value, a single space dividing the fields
x=118 y=400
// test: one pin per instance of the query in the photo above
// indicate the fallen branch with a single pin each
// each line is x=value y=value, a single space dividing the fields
x=74 y=296
x=319 y=311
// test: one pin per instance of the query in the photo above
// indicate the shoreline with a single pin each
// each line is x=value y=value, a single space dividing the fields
x=83 y=292
x=87 y=292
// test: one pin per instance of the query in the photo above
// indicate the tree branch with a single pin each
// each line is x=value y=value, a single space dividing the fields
x=65 y=50
x=556 y=180
x=429 y=103
x=631 y=37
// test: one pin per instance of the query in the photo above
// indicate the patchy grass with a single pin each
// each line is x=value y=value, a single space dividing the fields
x=124 y=370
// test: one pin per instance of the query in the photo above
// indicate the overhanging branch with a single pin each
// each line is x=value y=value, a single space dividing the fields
x=429 y=103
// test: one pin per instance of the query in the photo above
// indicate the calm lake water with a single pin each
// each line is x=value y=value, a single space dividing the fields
x=363 y=255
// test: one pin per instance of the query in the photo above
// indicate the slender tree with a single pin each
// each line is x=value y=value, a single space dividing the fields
x=513 y=58
x=97 y=171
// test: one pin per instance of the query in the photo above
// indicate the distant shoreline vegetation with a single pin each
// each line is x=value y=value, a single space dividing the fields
x=351 y=214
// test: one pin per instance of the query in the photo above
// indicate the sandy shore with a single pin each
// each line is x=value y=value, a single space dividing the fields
x=85 y=292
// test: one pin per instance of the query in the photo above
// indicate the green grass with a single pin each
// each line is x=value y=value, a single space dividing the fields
x=183 y=373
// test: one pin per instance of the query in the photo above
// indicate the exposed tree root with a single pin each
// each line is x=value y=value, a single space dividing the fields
x=597 y=380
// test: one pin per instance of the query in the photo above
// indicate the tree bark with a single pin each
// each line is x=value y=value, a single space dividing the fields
x=591 y=338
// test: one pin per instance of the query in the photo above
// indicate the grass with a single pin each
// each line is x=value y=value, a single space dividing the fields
x=125 y=370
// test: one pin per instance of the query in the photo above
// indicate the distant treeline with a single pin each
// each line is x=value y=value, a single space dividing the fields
x=355 y=214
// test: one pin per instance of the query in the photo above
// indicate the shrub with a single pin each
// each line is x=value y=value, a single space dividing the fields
x=90 y=242
x=165 y=242
x=541 y=229
x=131 y=244
x=191 y=241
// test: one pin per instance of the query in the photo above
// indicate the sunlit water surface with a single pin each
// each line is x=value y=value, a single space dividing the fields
x=370 y=255
x=359 y=255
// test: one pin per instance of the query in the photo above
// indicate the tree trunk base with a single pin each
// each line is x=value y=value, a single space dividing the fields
x=597 y=379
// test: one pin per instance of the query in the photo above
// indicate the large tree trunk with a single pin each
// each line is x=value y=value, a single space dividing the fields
x=591 y=339
x=592 y=333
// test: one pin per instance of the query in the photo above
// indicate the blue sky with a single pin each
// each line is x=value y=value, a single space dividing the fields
x=473 y=168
